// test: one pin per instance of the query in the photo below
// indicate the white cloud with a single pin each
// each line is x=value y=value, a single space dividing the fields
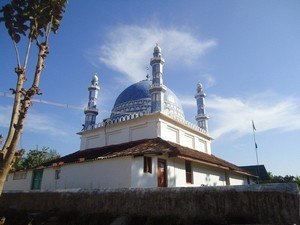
x=43 y=123
x=208 y=80
x=234 y=115
x=35 y=122
x=188 y=101
x=129 y=48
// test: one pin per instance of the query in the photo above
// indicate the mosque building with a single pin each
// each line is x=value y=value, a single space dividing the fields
x=146 y=142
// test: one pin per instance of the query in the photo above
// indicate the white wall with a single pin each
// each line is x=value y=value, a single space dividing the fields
x=108 y=173
x=203 y=145
x=236 y=179
x=148 y=126
x=142 y=131
x=126 y=131
x=116 y=136
x=125 y=172
x=93 y=140
x=181 y=136
x=169 y=133
x=21 y=184
x=209 y=176
x=139 y=178
x=188 y=140
x=202 y=175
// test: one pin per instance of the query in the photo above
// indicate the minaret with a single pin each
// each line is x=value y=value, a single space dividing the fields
x=91 y=110
x=202 y=117
x=157 y=89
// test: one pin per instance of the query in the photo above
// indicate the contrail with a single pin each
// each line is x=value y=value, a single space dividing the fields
x=8 y=95
x=63 y=105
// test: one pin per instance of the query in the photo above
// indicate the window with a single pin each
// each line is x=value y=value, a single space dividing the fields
x=20 y=175
x=147 y=164
x=57 y=173
x=188 y=172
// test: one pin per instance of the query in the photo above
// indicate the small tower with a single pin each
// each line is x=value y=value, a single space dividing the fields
x=91 y=110
x=157 y=89
x=201 y=117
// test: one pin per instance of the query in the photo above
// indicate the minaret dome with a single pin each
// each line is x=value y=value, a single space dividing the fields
x=157 y=51
x=95 y=80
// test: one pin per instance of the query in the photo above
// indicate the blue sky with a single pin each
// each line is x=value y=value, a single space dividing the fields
x=246 y=53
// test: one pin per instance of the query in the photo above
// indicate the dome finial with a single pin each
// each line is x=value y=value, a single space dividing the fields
x=95 y=78
x=157 y=48
x=199 y=87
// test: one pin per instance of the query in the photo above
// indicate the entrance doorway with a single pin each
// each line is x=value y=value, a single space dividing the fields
x=161 y=173
x=37 y=179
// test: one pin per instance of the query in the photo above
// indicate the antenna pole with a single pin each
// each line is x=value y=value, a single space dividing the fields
x=255 y=146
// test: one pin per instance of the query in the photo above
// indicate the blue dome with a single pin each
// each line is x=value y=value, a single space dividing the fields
x=137 y=99
x=134 y=92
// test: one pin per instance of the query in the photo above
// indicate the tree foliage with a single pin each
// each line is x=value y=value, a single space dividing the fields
x=35 y=158
x=32 y=17
x=282 y=179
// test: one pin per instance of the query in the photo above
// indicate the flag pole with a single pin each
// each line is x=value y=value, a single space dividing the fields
x=255 y=146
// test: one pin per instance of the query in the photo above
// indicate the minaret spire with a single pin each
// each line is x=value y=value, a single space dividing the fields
x=157 y=89
x=201 y=117
x=91 y=110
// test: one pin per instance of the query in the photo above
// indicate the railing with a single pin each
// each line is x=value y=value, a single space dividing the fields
x=114 y=121
x=90 y=109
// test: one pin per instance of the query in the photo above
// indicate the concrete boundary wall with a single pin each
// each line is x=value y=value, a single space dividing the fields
x=259 y=204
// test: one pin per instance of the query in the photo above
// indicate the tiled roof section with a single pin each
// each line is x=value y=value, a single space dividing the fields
x=194 y=154
x=156 y=146
x=133 y=148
